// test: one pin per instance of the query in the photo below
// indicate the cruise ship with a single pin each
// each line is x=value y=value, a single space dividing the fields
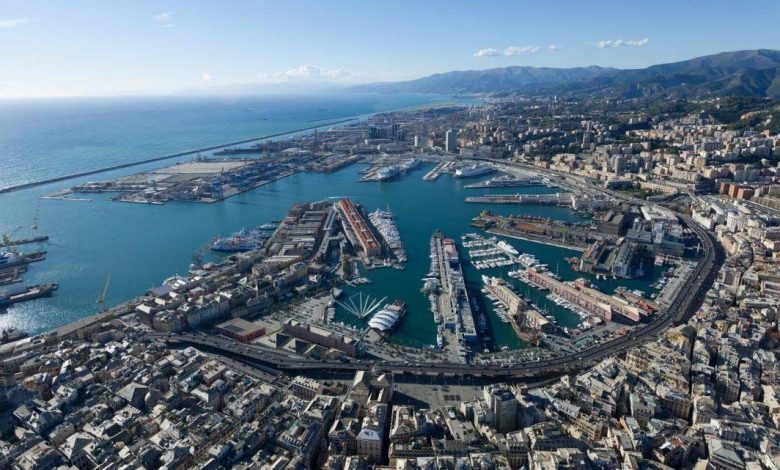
x=387 y=172
x=473 y=170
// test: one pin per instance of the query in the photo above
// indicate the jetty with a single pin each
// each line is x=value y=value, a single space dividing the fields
x=57 y=179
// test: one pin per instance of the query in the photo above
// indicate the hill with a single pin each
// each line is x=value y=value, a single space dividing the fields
x=740 y=73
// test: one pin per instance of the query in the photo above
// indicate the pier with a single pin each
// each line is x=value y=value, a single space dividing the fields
x=557 y=199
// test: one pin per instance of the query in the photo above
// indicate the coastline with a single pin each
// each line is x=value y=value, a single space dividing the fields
x=120 y=166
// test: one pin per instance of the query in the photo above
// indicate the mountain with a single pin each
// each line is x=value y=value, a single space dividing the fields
x=738 y=73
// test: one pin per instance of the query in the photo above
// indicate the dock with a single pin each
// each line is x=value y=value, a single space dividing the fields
x=438 y=170
x=557 y=199
x=23 y=241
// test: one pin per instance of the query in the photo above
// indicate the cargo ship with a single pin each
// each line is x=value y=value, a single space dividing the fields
x=242 y=240
x=14 y=294
x=473 y=170
x=11 y=259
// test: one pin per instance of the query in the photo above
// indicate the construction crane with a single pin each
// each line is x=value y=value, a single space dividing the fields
x=101 y=301
x=7 y=236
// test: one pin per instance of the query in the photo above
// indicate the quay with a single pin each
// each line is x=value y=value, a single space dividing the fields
x=438 y=170
x=557 y=199
x=6 y=242
x=593 y=301
x=57 y=179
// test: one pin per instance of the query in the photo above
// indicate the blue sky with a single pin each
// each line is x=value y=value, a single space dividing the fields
x=90 y=47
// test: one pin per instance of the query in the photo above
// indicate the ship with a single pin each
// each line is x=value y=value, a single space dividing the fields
x=242 y=240
x=473 y=170
x=387 y=172
x=385 y=224
x=11 y=259
x=14 y=294
x=507 y=248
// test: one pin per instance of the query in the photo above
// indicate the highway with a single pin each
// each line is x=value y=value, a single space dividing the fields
x=683 y=306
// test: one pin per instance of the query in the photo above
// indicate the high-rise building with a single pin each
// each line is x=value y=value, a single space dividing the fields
x=451 y=141
x=504 y=405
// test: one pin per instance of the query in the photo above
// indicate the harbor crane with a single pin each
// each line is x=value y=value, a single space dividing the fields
x=101 y=300
x=7 y=236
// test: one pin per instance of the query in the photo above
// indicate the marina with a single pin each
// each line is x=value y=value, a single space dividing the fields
x=384 y=222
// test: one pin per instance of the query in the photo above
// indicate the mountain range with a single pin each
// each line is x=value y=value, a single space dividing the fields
x=753 y=73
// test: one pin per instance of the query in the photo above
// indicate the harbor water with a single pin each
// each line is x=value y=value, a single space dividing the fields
x=141 y=245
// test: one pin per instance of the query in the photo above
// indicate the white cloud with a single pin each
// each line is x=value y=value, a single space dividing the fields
x=165 y=19
x=608 y=43
x=13 y=22
x=490 y=52
x=308 y=72
x=511 y=51
x=515 y=50
x=207 y=77
x=554 y=47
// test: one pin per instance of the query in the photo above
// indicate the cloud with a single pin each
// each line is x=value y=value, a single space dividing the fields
x=13 y=23
x=165 y=19
x=308 y=72
x=511 y=51
x=515 y=51
x=554 y=47
x=608 y=43
x=487 y=53
x=207 y=77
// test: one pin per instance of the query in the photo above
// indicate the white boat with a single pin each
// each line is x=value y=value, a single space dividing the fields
x=473 y=170
x=507 y=248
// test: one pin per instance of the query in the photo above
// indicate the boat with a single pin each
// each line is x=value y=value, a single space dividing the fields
x=14 y=294
x=387 y=172
x=242 y=240
x=473 y=170
x=336 y=292
x=387 y=228
x=268 y=227
x=10 y=259
x=507 y=248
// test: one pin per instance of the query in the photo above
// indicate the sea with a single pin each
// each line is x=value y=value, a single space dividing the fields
x=141 y=245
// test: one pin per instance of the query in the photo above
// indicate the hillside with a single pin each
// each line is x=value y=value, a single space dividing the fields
x=740 y=73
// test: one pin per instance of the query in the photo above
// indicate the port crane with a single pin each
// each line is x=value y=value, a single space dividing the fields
x=7 y=236
x=101 y=300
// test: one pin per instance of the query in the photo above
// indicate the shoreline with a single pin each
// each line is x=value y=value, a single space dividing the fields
x=518 y=237
x=57 y=179
x=120 y=166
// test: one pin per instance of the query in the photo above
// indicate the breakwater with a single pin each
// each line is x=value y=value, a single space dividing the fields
x=57 y=179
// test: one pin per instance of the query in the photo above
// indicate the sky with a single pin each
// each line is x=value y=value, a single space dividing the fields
x=123 y=47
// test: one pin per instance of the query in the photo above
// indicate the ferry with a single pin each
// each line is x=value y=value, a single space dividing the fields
x=473 y=170
x=387 y=172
